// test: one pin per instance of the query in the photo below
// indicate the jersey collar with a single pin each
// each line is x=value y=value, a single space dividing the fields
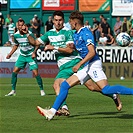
x=80 y=29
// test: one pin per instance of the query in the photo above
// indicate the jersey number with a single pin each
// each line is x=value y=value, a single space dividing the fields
x=95 y=74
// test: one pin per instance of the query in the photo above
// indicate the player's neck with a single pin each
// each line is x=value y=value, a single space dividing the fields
x=57 y=30
x=78 y=27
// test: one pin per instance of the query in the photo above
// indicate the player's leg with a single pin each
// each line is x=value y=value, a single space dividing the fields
x=63 y=74
x=118 y=89
x=14 y=77
x=96 y=73
x=64 y=87
x=75 y=79
x=93 y=87
x=34 y=67
x=64 y=108
x=14 y=81
x=20 y=64
x=39 y=81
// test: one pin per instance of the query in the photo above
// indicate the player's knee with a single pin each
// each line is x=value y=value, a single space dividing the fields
x=35 y=75
x=16 y=70
x=91 y=88
x=56 y=88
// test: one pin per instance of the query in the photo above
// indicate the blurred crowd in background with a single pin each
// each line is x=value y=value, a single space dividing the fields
x=104 y=34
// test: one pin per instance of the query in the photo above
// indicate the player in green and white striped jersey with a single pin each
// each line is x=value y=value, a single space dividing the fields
x=61 y=40
x=27 y=55
x=11 y=31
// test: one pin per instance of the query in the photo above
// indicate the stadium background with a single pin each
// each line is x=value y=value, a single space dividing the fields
x=26 y=10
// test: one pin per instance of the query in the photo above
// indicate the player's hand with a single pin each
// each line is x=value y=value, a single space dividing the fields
x=8 y=56
x=25 y=29
x=76 y=67
x=71 y=45
x=33 y=55
x=48 y=47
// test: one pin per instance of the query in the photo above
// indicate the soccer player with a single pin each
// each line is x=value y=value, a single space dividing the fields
x=84 y=44
x=27 y=55
x=59 y=39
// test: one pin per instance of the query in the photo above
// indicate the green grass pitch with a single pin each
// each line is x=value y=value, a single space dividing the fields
x=91 y=112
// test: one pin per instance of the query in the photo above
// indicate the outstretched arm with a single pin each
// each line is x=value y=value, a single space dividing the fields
x=88 y=57
x=68 y=49
x=12 y=51
x=34 y=52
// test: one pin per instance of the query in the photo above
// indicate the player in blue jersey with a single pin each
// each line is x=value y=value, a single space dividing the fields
x=84 y=43
x=60 y=37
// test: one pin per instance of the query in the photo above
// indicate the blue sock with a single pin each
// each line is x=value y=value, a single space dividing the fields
x=64 y=87
x=117 y=89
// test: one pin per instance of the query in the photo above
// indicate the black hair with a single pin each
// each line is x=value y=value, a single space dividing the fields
x=102 y=15
x=21 y=20
x=28 y=24
x=58 y=13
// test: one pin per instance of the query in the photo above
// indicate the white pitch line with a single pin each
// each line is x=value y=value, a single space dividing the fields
x=24 y=85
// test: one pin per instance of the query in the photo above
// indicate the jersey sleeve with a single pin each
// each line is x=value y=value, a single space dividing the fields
x=43 y=39
x=15 y=42
x=88 y=38
x=69 y=37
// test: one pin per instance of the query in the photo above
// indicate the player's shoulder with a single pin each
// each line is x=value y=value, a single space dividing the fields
x=87 y=31
x=65 y=28
x=50 y=32
x=66 y=31
x=16 y=34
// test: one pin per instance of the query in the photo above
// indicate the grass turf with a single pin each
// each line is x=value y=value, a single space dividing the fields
x=91 y=112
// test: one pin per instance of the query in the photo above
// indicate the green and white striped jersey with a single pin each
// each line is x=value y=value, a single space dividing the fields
x=60 y=39
x=11 y=28
x=26 y=48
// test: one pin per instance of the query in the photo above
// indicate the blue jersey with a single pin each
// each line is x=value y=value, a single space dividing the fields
x=82 y=39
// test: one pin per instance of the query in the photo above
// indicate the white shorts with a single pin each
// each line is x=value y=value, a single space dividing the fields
x=92 y=71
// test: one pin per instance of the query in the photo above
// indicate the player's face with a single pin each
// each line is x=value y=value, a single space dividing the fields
x=72 y=23
x=20 y=26
x=58 y=22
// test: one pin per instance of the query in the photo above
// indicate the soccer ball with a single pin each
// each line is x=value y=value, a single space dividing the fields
x=123 y=39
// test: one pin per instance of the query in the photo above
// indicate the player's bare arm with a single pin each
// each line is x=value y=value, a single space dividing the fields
x=14 y=48
x=30 y=38
x=88 y=57
x=67 y=50
x=34 y=52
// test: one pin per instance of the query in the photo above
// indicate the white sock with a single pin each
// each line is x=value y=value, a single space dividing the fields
x=64 y=107
x=53 y=111
x=114 y=96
